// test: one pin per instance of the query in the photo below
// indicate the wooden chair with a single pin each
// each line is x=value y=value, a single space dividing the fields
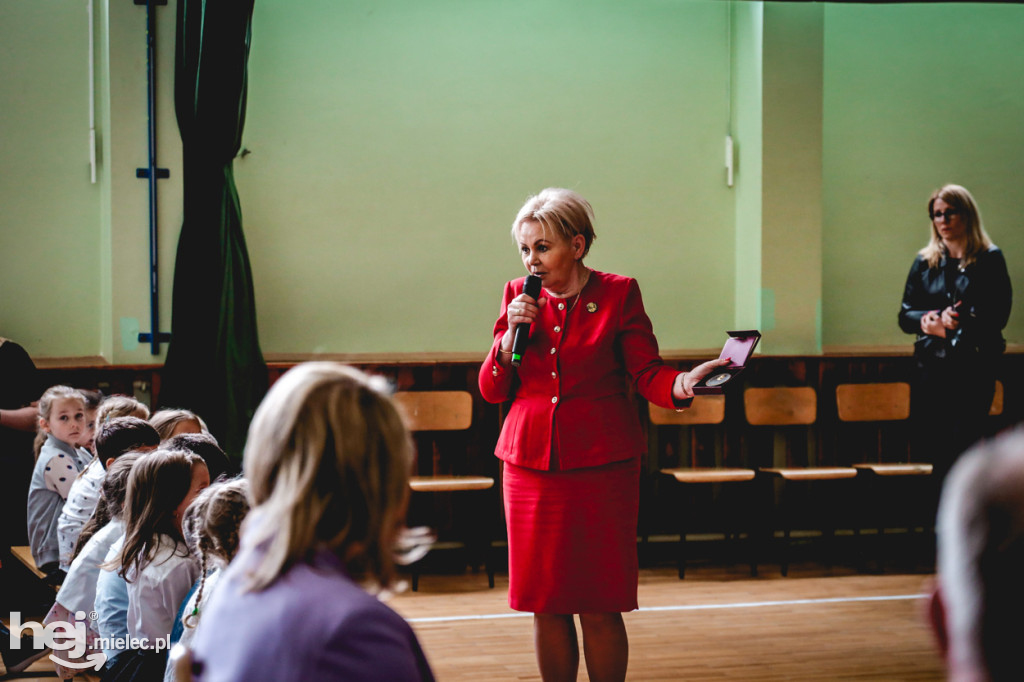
x=706 y=410
x=428 y=415
x=790 y=412
x=873 y=436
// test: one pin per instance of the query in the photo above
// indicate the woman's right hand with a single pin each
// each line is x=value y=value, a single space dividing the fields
x=522 y=309
x=931 y=324
x=950 y=318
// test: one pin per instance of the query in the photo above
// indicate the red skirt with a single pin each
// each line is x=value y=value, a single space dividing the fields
x=572 y=538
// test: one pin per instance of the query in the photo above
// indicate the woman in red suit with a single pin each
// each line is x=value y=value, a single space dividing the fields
x=572 y=441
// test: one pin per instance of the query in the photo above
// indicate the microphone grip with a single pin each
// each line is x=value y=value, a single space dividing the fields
x=531 y=287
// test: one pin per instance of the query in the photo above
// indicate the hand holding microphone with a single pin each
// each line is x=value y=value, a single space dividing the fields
x=521 y=313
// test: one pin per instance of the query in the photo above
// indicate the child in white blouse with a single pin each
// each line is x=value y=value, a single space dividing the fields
x=211 y=528
x=154 y=559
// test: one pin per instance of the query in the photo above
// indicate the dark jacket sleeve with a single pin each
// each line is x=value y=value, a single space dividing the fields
x=986 y=309
x=916 y=301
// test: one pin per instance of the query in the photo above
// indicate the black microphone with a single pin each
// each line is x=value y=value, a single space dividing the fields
x=531 y=287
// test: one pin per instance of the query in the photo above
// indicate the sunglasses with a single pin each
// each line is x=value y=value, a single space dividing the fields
x=947 y=214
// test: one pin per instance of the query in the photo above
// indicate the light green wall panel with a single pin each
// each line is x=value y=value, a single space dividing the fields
x=50 y=258
x=791 y=219
x=746 y=115
x=393 y=142
x=127 y=149
x=915 y=96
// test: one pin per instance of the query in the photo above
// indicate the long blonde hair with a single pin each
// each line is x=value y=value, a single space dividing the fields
x=963 y=203
x=328 y=460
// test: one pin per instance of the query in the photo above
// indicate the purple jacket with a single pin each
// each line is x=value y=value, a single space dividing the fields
x=312 y=623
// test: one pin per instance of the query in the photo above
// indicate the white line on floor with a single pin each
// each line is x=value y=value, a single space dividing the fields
x=692 y=607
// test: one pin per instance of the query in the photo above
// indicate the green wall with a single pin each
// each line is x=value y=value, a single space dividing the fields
x=50 y=258
x=392 y=143
x=915 y=97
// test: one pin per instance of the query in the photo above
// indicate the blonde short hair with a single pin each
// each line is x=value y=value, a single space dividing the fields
x=166 y=420
x=562 y=212
x=328 y=461
x=963 y=203
x=120 y=406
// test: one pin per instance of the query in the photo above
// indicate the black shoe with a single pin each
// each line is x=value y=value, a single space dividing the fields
x=16 y=660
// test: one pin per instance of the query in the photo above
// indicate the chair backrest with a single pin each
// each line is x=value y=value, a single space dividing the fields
x=997 y=401
x=707 y=409
x=436 y=410
x=780 y=406
x=873 y=402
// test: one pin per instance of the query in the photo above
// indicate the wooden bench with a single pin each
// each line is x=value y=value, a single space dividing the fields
x=24 y=555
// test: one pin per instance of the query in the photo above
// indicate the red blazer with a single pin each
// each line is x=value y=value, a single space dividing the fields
x=572 y=398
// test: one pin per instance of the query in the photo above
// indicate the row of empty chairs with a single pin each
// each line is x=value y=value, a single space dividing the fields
x=786 y=414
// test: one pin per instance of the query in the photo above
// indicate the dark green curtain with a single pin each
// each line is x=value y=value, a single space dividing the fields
x=214 y=365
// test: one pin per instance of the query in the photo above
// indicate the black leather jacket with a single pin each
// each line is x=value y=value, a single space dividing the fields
x=984 y=293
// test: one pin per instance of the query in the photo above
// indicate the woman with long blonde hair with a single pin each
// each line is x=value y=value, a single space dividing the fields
x=328 y=461
x=956 y=302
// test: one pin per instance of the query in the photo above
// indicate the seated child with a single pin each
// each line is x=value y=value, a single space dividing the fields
x=328 y=461
x=206 y=446
x=169 y=423
x=211 y=530
x=112 y=604
x=154 y=560
x=93 y=400
x=78 y=593
x=116 y=437
x=62 y=419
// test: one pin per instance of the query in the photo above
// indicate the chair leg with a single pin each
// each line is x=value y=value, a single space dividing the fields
x=682 y=509
x=749 y=515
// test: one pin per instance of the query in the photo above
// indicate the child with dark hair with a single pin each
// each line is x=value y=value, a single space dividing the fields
x=154 y=560
x=93 y=400
x=115 y=437
x=206 y=446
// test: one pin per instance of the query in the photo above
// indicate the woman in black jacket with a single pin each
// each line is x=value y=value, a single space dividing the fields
x=957 y=301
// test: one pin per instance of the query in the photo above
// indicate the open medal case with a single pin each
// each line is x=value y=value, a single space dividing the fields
x=737 y=350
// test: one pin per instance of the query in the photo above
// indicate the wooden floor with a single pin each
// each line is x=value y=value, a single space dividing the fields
x=717 y=624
